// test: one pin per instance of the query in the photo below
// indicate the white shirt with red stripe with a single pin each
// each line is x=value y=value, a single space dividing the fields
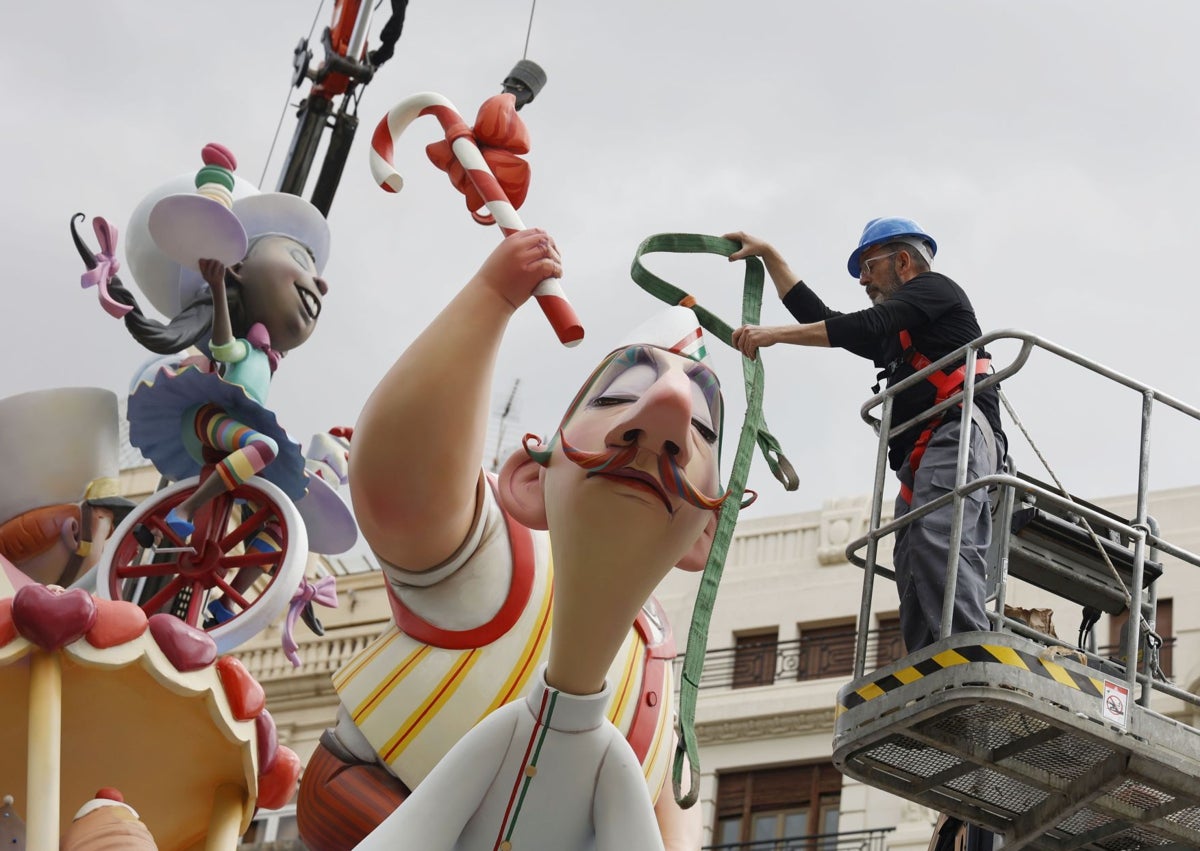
x=546 y=772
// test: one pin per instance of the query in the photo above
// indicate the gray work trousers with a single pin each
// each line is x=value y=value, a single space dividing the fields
x=922 y=549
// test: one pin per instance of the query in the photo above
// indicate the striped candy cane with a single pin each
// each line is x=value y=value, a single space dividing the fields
x=549 y=293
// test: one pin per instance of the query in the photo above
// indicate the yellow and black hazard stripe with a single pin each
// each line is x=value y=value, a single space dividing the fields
x=987 y=653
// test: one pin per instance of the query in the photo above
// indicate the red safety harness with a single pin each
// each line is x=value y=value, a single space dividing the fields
x=946 y=384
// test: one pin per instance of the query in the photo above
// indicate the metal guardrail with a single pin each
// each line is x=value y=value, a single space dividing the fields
x=854 y=840
x=798 y=660
x=1141 y=530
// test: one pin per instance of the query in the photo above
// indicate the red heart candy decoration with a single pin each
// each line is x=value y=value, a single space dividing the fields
x=188 y=648
x=117 y=622
x=268 y=741
x=277 y=785
x=51 y=617
x=246 y=695
x=8 y=629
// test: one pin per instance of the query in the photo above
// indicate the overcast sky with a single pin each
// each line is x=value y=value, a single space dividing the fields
x=1049 y=146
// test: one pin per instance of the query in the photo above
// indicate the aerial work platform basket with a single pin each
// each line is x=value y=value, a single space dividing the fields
x=980 y=726
x=1049 y=745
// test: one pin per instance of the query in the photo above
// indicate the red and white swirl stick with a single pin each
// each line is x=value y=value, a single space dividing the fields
x=549 y=293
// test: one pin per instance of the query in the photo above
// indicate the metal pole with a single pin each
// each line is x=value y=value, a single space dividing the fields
x=1133 y=639
x=1134 y=633
x=1144 y=457
x=314 y=113
x=960 y=479
x=340 y=140
x=358 y=38
x=1007 y=500
x=864 y=612
x=1148 y=684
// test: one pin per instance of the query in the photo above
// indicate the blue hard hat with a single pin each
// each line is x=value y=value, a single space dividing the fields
x=886 y=229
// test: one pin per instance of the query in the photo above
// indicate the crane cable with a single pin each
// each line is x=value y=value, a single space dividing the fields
x=529 y=30
x=286 y=101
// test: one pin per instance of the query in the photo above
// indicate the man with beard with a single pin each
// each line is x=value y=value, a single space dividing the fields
x=917 y=316
x=564 y=734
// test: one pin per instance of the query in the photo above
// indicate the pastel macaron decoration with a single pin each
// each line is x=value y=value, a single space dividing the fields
x=215 y=180
x=190 y=227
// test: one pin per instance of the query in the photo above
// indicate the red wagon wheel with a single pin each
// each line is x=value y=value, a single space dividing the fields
x=225 y=558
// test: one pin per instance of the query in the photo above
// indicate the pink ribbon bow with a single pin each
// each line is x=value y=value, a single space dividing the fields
x=260 y=338
x=106 y=267
x=323 y=592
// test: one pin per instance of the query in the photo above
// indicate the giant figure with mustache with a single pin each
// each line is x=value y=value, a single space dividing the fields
x=563 y=735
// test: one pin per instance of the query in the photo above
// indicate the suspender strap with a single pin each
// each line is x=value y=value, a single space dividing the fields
x=985 y=428
x=946 y=384
x=754 y=430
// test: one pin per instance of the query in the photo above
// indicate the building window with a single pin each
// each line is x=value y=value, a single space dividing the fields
x=797 y=802
x=754 y=658
x=826 y=651
x=1162 y=625
x=273 y=829
x=288 y=829
x=889 y=645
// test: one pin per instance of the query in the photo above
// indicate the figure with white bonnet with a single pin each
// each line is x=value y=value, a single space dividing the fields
x=239 y=274
x=58 y=462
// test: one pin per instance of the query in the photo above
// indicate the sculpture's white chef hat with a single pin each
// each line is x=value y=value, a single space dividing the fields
x=58 y=446
x=674 y=329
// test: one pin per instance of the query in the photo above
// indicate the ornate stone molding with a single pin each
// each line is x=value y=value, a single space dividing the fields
x=842 y=520
x=766 y=727
x=318 y=655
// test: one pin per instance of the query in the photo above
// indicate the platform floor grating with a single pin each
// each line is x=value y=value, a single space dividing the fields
x=1021 y=755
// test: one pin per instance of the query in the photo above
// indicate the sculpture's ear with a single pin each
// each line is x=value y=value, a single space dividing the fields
x=70 y=533
x=520 y=490
x=697 y=556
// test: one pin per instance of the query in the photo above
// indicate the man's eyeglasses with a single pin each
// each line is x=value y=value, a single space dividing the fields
x=866 y=264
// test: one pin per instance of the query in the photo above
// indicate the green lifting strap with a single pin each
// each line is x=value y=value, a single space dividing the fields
x=754 y=430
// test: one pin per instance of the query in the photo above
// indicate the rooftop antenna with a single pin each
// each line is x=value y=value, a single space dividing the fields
x=504 y=414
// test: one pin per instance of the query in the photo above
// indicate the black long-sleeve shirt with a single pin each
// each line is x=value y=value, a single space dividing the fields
x=936 y=313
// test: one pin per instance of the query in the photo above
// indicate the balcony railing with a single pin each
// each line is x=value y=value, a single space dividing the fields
x=799 y=660
x=853 y=840
x=776 y=662
x=1166 y=654
x=858 y=840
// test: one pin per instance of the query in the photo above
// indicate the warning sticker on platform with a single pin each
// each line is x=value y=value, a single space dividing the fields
x=1116 y=704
